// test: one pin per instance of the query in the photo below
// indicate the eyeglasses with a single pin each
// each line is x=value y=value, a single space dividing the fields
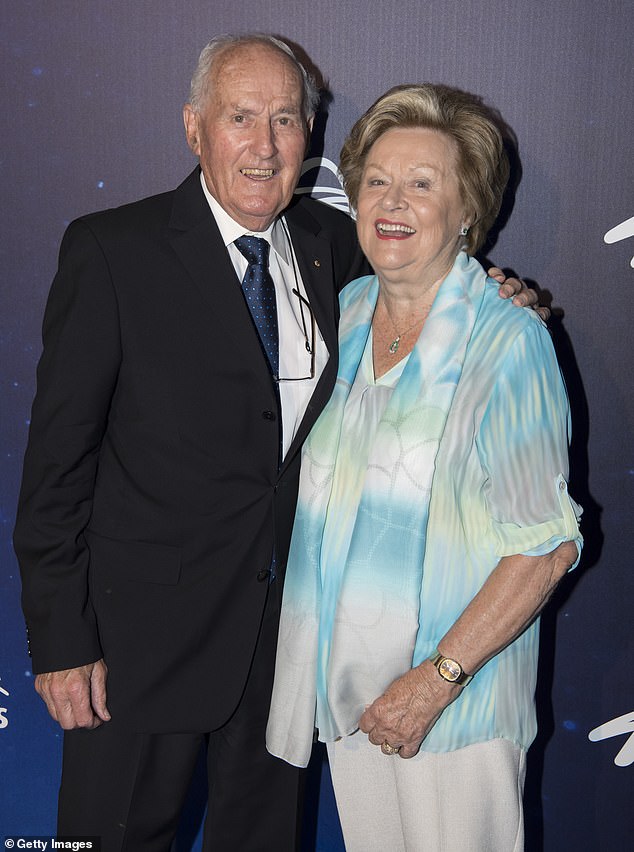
x=309 y=342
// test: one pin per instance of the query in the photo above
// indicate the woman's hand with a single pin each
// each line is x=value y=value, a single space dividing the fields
x=407 y=710
x=511 y=598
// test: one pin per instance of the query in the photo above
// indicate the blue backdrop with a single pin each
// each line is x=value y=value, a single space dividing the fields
x=92 y=94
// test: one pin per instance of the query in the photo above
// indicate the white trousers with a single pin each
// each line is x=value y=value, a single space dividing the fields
x=469 y=800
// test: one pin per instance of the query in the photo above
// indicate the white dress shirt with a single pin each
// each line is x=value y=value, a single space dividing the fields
x=294 y=359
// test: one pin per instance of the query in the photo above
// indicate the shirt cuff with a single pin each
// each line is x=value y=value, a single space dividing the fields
x=539 y=539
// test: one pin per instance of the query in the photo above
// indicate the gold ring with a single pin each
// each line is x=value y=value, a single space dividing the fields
x=386 y=748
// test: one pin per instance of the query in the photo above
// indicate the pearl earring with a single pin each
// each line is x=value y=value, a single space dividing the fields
x=464 y=231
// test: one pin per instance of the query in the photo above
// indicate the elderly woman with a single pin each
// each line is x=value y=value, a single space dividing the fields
x=433 y=520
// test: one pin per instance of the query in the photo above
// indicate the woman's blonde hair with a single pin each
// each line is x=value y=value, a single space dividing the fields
x=483 y=166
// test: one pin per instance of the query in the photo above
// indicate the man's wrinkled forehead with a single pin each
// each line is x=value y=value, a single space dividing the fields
x=251 y=61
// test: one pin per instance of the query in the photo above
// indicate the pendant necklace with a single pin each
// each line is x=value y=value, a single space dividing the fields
x=393 y=347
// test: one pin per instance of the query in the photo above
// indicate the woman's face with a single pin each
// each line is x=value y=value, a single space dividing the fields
x=409 y=211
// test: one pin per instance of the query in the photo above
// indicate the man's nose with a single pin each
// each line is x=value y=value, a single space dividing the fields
x=263 y=140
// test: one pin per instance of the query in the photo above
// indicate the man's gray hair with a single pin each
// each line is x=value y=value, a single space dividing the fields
x=201 y=80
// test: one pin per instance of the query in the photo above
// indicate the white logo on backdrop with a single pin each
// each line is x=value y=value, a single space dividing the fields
x=617 y=727
x=4 y=722
x=332 y=195
x=621 y=232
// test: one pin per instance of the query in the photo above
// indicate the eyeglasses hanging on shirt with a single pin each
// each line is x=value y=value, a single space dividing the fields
x=309 y=342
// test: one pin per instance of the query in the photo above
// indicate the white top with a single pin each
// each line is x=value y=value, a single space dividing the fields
x=363 y=411
x=294 y=359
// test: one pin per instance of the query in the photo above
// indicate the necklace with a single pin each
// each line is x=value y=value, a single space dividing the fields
x=393 y=347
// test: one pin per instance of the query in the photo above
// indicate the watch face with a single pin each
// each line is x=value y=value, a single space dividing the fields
x=450 y=669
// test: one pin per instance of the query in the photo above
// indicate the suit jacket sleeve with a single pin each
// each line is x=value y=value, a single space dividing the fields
x=76 y=379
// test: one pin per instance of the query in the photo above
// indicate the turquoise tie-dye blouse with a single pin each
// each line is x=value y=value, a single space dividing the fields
x=394 y=536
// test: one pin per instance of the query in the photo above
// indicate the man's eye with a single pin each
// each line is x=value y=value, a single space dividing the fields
x=238 y=119
x=376 y=182
x=422 y=184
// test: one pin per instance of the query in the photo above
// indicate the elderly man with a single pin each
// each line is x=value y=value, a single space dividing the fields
x=161 y=474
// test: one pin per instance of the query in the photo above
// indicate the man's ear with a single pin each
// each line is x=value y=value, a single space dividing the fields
x=190 y=120
x=309 y=130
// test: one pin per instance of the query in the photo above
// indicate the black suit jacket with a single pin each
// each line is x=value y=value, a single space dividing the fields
x=151 y=501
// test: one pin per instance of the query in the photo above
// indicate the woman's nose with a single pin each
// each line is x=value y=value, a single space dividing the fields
x=393 y=198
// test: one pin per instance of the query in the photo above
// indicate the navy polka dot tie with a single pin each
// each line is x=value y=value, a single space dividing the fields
x=259 y=291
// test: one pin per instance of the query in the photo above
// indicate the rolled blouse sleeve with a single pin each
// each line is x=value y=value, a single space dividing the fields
x=523 y=448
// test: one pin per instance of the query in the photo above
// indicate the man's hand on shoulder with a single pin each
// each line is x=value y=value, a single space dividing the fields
x=523 y=296
x=76 y=698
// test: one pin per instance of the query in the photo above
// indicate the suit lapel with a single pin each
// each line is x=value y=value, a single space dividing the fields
x=315 y=263
x=314 y=259
x=195 y=238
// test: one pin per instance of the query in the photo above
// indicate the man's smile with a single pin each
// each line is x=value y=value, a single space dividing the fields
x=258 y=174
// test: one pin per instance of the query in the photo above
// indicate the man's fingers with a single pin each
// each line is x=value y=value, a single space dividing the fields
x=543 y=312
x=509 y=290
x=496 y=272
x=528 y=298
x=69 y=695
x=98 y=690
x=42 y=691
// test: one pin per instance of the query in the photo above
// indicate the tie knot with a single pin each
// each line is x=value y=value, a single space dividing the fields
x=254 y=249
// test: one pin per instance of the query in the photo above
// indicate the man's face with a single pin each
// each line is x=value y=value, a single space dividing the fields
x=251 y=134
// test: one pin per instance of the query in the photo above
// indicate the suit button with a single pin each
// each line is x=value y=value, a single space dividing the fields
x=263 y=575
x=269 y=415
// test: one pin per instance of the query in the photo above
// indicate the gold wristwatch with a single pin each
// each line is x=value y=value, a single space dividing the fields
x=449 y=669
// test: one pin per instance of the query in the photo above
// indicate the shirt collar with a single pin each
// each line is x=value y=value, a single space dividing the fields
x=230 y=230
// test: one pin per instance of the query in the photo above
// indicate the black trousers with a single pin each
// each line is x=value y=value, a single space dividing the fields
x=129 y=788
